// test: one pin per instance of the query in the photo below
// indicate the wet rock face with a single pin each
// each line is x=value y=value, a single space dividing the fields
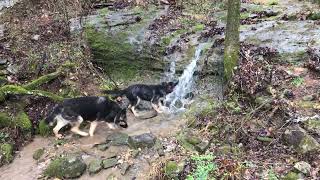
x=142 y=141
x=301 y=141
x=66 y=167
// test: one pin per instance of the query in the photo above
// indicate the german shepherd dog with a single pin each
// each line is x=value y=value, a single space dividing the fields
x=152 y=93
x=92 y=108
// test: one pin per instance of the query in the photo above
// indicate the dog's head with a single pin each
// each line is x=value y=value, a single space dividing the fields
x=169 y=86
x=121 y=118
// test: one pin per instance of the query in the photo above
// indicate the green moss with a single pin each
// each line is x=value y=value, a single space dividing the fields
x=44 y=129
x=291 y=176
x=298 y=81
x=314 y=16
x=13 y=89
x=7 y=151
x=5 y=120
x=199 y=27
x=273 y=2
x=23 y=121
x=114 y=53
x=55 y=168
x=170 y=168
x=244 y=15
x=42 y=80
x=103 y=11
x=38 y=153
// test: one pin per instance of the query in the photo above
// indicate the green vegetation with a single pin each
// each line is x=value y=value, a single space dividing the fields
x=273 y=2
x=272 y=175
x=23 y=122
x=44 y=129
x=204 y=167
x=5 y=120
x=7 y=151
x=297 y=81
x=38 y=153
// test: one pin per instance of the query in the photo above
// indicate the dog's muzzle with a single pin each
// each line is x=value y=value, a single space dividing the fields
x=123 y=124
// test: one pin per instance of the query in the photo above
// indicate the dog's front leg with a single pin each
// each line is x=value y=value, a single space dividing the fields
x=61 y=122
x=111 y=126
x=75 y=128
x=93 y=126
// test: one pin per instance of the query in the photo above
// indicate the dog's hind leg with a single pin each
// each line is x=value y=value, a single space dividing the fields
x=75 y=128
x=156 y=107
x=61 y=122
x=93 y=126
x=137 y=102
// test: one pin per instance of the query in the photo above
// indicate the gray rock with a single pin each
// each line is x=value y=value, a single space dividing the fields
x=270 y=12
x=3 y=61
x=308 y=98
x=103 y=147
x=36 y=37
x=159 y=147
x=124 y=168
x=108 y=163
x=141 y=141
x=202 y=147
x=12 y=69
x=300 y=140
x=95 y=166
x=66 y=167
x=303 y=167
x=118 y=139
x=3 y=81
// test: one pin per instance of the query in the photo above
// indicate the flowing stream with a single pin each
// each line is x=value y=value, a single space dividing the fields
x=177 y=100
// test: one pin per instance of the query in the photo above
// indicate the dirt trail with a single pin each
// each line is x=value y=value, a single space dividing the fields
x=25 y=167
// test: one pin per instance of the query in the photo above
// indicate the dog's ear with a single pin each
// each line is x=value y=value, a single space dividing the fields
x=164 y=83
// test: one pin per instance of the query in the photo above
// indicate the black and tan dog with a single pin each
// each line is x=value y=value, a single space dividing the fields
x=92 y=108
x=152 y=93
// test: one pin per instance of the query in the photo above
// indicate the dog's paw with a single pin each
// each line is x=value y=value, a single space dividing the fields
x=59 y=136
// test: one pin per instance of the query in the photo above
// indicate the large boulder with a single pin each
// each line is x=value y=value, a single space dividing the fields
x=146 y=140
x=66 y=167
x=300 y=140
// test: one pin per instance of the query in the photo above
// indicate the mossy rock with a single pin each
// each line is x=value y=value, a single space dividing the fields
x=314 y=16
x=172 y=169
x=23 y=121
x=38 y=153
x=108 y=163
x=301 y=141
x=313 y=125
x=291 y=176
x=95 y=166
x=44 y=129
x=66 y=167
x=5 y=120
x=6 y=150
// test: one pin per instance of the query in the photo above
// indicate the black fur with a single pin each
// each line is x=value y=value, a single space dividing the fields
x=89 y=108
x=151 y=93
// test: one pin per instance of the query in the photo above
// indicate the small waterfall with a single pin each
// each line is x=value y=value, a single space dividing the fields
x=176 y=100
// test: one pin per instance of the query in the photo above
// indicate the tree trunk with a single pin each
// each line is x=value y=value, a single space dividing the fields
x=232 y=44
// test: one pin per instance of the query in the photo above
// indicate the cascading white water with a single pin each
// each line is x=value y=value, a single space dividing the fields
x=185 y=85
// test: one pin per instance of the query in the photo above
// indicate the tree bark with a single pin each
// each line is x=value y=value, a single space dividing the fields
x=232 y=44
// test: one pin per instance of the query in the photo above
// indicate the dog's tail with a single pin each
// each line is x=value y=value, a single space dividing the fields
x=50 y=119
x=115 y=93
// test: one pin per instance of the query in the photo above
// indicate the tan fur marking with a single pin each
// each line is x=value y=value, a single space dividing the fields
x=93 y=126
